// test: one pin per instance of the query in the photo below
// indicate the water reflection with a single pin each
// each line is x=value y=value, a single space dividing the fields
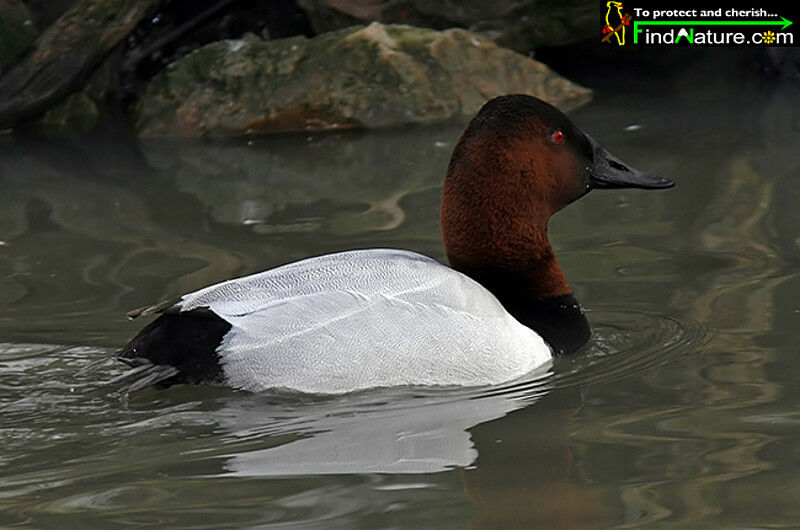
x=342 y=185
x=400 y=433
x=126 y=233
x=529 y=475
x=700 y=460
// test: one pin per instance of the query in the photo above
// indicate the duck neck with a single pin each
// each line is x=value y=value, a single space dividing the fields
x=526 y=278
x=511 y=261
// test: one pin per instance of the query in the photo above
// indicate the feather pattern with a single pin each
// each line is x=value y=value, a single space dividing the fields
x=366 y=318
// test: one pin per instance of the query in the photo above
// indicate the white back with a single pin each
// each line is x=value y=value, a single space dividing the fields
x=362 y=319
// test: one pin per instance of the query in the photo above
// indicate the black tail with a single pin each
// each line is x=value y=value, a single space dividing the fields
x=177 y=347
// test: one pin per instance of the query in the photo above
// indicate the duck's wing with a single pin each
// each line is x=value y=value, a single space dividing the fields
x=365 y=272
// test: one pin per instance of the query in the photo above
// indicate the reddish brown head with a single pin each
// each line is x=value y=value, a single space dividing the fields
x=519 y=161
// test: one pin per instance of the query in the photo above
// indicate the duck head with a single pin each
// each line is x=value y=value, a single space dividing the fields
x=518 y=162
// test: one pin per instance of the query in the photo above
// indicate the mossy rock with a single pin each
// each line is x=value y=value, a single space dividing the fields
x=360 y=77
x=522 y=25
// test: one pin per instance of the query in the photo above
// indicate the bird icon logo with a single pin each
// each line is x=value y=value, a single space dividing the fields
x=615 y=23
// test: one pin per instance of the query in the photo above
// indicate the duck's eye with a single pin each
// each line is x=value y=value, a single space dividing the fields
x=558 y=137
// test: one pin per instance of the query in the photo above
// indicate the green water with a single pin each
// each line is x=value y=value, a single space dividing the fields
x=682 y=412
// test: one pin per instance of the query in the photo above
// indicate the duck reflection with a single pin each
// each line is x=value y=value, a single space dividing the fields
x=527 y=474
x=384 y=432
x=509 y=446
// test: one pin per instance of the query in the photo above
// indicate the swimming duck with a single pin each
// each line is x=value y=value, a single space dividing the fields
x=382 y=317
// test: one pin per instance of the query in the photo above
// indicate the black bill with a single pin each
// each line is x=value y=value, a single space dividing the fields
x=609 y=172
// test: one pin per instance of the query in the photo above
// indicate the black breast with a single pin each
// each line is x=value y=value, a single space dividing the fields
x=559 y=320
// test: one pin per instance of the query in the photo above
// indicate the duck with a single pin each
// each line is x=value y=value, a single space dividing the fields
x=373 y=318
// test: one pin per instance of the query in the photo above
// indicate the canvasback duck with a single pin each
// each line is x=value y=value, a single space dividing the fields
x=380 y=317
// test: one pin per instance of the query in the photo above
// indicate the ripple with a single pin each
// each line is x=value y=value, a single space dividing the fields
x=627 y=343
x=225 y=434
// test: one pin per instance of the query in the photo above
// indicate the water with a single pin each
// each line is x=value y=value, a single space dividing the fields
x=682 y=412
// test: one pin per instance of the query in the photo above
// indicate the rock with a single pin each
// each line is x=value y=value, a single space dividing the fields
x=522 y=25
x=17 y=31
x=361 y=77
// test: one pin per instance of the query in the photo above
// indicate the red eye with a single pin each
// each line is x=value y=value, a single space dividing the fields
x=558 y=137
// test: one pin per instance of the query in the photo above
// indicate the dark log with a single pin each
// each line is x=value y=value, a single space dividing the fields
x=66 y=54
x=130 y=62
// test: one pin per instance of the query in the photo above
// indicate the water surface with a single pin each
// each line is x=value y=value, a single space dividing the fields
x=682 y=412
